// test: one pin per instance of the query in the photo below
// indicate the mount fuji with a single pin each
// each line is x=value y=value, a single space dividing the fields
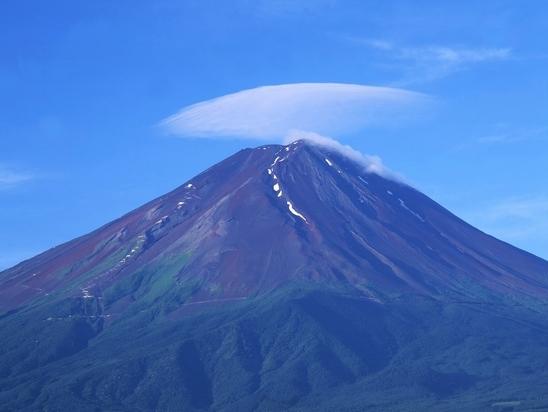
x=282 y=278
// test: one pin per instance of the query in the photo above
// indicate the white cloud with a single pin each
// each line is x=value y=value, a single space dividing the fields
x=271 y=112
x=453 y=56
x=10 y=177
x=373 y=43
x=506 y=135
x=522 y=221
x=371 y=163
x=432 y=62
x=519 y=208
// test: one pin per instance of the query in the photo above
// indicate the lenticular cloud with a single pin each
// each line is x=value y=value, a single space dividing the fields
x=271 y=112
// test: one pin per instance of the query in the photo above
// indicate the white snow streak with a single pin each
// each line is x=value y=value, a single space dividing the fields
x=402 y=204
x=363 y=180
x=293 y=211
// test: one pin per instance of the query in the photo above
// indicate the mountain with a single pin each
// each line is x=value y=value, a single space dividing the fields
x=283 y=278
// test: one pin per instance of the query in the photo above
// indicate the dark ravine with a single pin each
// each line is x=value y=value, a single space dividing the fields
x=283 y=278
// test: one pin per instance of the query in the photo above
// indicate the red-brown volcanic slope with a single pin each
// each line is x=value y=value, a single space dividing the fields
x=277 y=214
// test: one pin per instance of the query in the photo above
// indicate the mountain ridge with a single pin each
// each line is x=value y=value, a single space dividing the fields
x=278 y=179
x=348 y=291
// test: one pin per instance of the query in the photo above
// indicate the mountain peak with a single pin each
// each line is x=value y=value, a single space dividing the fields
x=277 y=214
x=280 y=258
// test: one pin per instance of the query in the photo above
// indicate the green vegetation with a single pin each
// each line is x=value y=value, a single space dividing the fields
x=294 y=349
x=148 y=285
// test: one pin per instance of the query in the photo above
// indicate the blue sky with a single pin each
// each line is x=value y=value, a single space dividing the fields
x=84 y=86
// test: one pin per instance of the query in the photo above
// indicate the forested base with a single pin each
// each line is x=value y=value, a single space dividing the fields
x=291 y=350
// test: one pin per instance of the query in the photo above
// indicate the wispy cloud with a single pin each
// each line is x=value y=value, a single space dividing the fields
x=503 y=134
x=518 y=208
x=521 y=220
x=271 y=112
x=371 y=163
x=453 y=56
x=507 y=136
x=10 y=177
x=432 y=62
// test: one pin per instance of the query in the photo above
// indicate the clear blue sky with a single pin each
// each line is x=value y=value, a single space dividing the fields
x=84 y=84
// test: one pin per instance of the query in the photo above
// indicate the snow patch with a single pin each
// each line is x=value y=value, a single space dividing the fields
x=162 y=220
x=402 y=204
x=86 y=294
x=190 y=186
x=276 y=187
x=389 y=192
x=295 y=212
x=328 y=161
